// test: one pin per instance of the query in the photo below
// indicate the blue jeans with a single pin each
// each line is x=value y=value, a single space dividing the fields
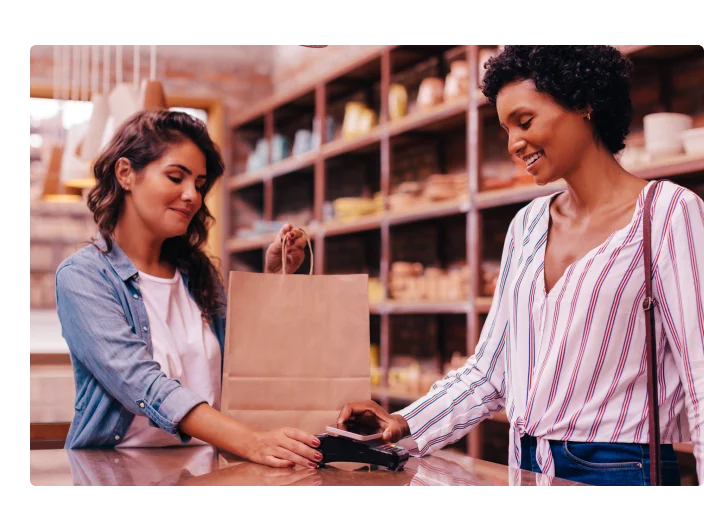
x=603 y=463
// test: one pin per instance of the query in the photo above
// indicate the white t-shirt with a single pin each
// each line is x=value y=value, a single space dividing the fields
x=184 y=346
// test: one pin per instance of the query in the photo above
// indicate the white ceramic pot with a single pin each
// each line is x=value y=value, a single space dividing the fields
x=693 y=140
x=663 y=133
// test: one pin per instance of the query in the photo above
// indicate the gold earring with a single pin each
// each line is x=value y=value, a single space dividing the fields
x=589 y=116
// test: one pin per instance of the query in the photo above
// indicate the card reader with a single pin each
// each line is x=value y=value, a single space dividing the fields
x=375 y=452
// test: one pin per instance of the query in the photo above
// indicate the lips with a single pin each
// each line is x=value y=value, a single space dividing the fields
x=185 y=212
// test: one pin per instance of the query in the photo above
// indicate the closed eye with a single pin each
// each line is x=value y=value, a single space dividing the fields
x=525 y=125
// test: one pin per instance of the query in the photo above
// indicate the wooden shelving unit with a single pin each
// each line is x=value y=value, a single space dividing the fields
x=373 y=75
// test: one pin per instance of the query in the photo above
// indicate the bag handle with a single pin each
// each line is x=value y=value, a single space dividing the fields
x=652 y=366
x=283 y=251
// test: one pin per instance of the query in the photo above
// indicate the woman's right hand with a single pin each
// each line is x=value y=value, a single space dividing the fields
x=394 y=425
x=284 y=447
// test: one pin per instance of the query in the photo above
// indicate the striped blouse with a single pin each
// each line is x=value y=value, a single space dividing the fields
x=570 y=364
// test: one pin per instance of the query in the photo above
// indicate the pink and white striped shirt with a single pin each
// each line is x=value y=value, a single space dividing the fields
x=570 y=364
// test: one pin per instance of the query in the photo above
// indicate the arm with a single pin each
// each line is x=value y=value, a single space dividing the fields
x=464 y=397
x=467 y=396
x=99 y=336
x=680 y=286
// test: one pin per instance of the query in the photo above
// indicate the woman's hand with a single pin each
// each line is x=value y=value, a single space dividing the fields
x=394 y=425
x=295 y=250
x=284 y=447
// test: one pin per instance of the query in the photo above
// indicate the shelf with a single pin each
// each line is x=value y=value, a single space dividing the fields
x=400 y=396
x=74 y=209
x=406 y=397
x=285 y=166
x=424 y=307
x=446 y=208
x=41 y=269
x=240 y=245
x=428 y=119
x=345 y=146
x=417 y=121
x=483 y=304
x=668 y=167
x=514 y=195
x=363 y=223
x=248 y=179
x=292 y=164
x=61 y=240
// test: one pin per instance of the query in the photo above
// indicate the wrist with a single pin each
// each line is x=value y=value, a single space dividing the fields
x=244 y=442
x=403 y=425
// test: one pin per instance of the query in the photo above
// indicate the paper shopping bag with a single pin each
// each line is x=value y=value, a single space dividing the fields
x=296 y=349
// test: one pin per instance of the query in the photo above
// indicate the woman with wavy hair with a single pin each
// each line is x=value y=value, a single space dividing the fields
x=142 y=307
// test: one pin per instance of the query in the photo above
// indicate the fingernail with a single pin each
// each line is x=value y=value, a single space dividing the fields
x=312 y=465
x=318 y=457
x=316 y=442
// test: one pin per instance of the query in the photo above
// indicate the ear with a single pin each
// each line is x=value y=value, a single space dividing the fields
x=124 y=173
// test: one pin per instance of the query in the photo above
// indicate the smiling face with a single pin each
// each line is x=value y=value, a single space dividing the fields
x=166 y=194
x=548 y=137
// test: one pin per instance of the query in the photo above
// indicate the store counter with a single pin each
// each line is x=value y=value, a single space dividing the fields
x=204 y=465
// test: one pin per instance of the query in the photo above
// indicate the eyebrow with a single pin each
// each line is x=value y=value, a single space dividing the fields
x=186 y=169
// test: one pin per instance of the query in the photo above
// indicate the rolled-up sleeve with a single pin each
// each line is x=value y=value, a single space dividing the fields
x=96 y=330
x=468 y=395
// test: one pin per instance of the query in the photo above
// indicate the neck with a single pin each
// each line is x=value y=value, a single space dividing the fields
x=140 y=245
x=598 y=181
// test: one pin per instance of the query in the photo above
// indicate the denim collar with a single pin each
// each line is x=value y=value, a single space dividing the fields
x=121 y=263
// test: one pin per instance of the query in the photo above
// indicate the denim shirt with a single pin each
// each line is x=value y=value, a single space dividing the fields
x=104 y=321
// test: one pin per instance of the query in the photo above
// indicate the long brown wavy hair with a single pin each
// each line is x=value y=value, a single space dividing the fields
x=143 y=139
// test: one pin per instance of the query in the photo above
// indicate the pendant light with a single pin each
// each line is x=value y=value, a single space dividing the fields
x=152 y=93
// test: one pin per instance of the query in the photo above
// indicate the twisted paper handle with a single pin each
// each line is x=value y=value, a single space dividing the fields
x=283 y=251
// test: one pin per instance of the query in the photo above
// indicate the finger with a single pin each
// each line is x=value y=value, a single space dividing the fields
x=281 y=235
x=302 y=436
x=299 y=243
x=287 y=454
x=276 y=462
x=304 y=451
x=345 y=414
x=355 y=409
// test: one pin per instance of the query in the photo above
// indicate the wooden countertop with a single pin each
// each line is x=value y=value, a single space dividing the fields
x=204 y=465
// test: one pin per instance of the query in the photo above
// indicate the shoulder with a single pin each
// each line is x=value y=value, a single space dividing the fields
x=88 y=262
x=528 y=216
x=673 y=203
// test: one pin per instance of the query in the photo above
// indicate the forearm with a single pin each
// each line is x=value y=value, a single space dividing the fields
x=211 y=426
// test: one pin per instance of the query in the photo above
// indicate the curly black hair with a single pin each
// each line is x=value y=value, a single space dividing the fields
x=577 y=77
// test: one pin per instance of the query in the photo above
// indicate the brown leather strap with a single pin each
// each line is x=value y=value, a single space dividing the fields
x=652 y=366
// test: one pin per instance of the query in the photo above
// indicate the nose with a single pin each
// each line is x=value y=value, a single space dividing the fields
x=516 y=144
x=189 y=192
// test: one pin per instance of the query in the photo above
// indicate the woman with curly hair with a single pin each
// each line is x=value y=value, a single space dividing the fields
x=563 y=350
x=142 y=307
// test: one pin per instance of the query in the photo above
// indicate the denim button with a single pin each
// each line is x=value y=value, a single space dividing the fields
x=145 y=329
x=117 y=437
x=142 y=405
x=136 y=296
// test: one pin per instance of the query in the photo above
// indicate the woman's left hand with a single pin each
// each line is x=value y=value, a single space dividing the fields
x=295 y=250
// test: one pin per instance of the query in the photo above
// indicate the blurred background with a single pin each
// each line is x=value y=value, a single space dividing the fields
x=389 y=156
